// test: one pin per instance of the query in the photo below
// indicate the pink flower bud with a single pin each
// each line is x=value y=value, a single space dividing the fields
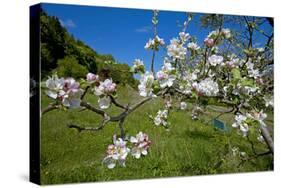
x=209 y=42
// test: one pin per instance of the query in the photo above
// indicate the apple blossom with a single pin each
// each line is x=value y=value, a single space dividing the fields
x=184 y=36
x=241 y=124
x=146 y=83
x=117 y=151
x=176 y=50
x=193 y=46
x=226 y=33
x=105 y=87
x=269 y=101
x=154 y=43
x=55 y=86
x=209 y=42
x=206 y=87
x=92 y=77
x=161 y=118
x=141 y=144
x=138 y=66
x=66 y=90
x=215 y=60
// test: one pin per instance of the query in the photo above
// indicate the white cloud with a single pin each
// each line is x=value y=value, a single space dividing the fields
x=67 y=23
x=144 y=29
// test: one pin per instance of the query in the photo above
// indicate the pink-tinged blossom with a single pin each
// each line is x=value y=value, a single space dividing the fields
x=116 y=152
x=209 y=42
x=92 y=77
x=66 y=90
x=105 y=87
x=141 y=144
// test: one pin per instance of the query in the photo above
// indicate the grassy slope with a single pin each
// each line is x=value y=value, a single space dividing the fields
x=188 y=148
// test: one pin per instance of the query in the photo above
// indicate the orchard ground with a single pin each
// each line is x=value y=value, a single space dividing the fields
x=187 y=148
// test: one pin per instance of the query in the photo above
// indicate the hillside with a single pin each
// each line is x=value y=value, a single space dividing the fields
x=62 y=53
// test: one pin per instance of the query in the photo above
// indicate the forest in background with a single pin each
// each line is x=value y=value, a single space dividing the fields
x=61 y=53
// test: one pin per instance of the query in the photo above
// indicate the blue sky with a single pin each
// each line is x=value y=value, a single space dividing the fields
x=123 y=32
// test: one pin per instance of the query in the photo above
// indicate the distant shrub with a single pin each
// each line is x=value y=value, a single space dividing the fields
x=69 y=67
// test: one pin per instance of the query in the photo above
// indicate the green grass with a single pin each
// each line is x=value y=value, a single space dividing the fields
x=187 y=148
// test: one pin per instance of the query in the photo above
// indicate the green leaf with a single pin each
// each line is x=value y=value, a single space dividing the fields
x=236 y=74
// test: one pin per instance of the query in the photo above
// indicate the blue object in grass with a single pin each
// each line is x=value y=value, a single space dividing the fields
x=220 y=125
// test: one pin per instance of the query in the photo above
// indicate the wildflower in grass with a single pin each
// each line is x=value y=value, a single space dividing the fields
x=116 y=152
x=176 y=50
x=206 y=87
x=215 y=60
x=146 y=83
x=141 y=144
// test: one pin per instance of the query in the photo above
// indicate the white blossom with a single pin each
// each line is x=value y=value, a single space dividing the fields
x=146 y=83
x=184 y=36
x=206 y=87
x=269 y=101
x=104 y=102
x=215 y=60
x=154 y=43
x=241 y=124
x=55 y=86
x=193 y=46
x=138 y=66
x=183 y=105
x=226 y=33
x=161 y=118
x=176 y=50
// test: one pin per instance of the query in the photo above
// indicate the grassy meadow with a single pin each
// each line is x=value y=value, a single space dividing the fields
x=187 y=148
